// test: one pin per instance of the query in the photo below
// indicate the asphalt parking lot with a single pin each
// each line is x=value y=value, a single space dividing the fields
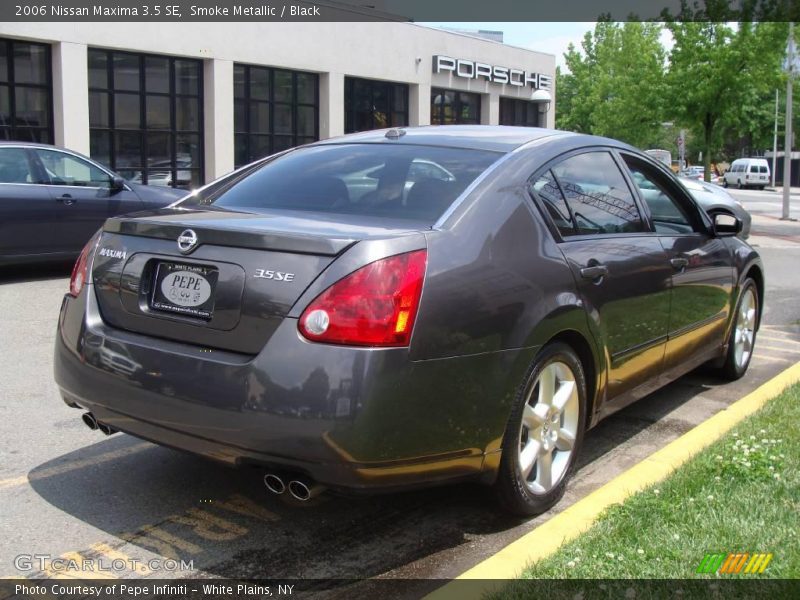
x=69 y=492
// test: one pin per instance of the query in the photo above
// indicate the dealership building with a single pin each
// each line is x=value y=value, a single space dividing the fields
x=196 y=100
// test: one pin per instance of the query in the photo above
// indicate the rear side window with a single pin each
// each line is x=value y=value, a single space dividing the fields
x=597 y=196
x=554 y=203
x=15 y=166
x=383 y=180
x=763 y=169
x=754 y=168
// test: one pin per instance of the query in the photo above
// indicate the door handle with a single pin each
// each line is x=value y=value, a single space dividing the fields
x=66 y=199
x=594 y=272
x=679 y=263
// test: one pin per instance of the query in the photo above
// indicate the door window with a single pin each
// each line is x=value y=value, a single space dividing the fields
x=554 y=203
x=15 y=167
x=668 y=215
x=65 y=169
x=597 y=196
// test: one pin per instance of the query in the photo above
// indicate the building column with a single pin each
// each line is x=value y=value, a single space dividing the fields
x=331 y=105
x=71 y=96
x=419 y=104
x=490 y=109
x=218 y=117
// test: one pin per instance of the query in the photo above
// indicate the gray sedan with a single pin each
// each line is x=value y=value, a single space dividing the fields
x=472 y=326
x=52 y=200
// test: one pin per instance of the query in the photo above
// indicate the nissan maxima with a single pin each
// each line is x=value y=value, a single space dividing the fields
x=402 y=308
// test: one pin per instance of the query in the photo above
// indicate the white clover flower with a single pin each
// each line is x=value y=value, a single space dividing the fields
x=610 y=555
x=571 y=564
x=777 y=476
x=717 y=478
x=752 y=437
x=691 y=499
x=709 y=497
x=771 y=468
x=765 y=441
x=640 y=551
x=675 y=536
x=656 y=492
x=734 y=434
x=620 y=558
x=718 y=457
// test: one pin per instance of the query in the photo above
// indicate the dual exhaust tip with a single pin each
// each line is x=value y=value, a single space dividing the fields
x=93 y=424
x=300 y=489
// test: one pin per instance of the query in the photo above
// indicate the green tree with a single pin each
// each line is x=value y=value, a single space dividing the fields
x=615 y=85
x=721 y=81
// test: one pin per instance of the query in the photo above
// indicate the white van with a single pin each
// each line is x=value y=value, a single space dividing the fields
x=748 y=172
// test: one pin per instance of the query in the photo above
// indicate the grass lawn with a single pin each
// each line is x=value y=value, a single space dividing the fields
x=741 y=494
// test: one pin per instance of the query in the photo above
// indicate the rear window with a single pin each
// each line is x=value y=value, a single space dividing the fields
x=395 y=181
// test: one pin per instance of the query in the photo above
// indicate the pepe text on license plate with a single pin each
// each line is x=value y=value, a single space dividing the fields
x=184 y=289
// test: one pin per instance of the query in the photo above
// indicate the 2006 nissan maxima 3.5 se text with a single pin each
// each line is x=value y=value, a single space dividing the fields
x=400 y=308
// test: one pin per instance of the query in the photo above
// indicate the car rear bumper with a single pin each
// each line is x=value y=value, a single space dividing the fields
x=346 y=417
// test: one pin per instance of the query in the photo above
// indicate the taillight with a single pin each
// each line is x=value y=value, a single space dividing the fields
x=374 y=306
x=81 y=268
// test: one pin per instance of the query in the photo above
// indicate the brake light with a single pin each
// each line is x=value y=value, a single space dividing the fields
x=373 y=306
x=81 y=268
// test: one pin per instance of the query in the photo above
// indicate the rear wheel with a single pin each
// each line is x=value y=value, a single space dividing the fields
x=544 y=433
x=743 y=333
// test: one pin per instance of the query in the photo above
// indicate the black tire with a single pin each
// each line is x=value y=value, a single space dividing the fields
x=513 y=493
x=732 y=368
x=739 y=185
x=724 y=182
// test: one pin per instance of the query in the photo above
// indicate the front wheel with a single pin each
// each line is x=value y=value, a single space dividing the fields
x=544 y=433
x=741 y=342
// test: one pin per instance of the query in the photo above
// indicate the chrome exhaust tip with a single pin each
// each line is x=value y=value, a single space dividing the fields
x=106 y=429
x=90 y=421
x=274 y=483
x=304 y=490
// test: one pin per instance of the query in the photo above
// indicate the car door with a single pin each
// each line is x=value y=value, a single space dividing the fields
x=621 y=270
x=703 y=273
x=27 y=213
x=84 y=196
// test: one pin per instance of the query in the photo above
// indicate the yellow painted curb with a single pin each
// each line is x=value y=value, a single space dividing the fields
x=509 y=562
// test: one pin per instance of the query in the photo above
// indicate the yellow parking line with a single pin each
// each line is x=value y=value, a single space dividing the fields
x=774 y=349
x=773 y=338
x=73 y=465
x=509 y=562
x=781 y=359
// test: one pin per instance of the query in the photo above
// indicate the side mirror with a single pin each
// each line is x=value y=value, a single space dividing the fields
x=726 y=224
x=117 y=184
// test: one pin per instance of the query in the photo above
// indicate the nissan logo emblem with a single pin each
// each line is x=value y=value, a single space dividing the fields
x=187 y=241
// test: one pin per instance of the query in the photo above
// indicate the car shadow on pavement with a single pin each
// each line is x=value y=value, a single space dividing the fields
x=151 y=500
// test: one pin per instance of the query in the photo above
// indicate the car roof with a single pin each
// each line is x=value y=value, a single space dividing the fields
x=498 y=138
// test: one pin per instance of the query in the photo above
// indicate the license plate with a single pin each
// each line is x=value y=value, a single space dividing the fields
x=184 y=289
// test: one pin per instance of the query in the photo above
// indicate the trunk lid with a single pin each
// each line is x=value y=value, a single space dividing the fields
x=234 y=287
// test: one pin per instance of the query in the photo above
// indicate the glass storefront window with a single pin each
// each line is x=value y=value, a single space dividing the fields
x=273 y=109
x=522 y=113
x=370 y=104
x=451 y=107
x=26 y=92
x=146 y=116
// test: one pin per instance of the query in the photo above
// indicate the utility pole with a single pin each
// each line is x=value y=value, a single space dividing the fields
x=775 y=142
x=787 y=157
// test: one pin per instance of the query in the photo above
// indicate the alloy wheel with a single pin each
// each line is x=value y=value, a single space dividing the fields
x=549 y=428
x=744 y=336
